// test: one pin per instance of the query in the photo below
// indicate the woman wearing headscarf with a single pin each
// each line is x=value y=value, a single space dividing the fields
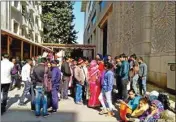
x=153 y=113
x=100 y=62
x=94 y=84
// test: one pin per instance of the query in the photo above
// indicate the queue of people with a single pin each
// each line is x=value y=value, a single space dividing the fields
x=91 y=82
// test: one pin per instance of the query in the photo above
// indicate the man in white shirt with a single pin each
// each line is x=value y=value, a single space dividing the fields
x=45 y=54
x=26 y=78
x=6 y=67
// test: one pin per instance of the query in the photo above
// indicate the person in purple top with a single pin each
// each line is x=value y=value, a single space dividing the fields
x=15 y=74
x=56 y=78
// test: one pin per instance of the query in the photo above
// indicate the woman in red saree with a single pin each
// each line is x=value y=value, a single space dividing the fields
x=94 y=84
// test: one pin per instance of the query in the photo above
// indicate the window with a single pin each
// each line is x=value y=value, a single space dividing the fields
x=94 y=18
x=102 y=5
x=89 y=5
x=22 y=31
x=88 y=41
x=94 y=36
x=36 y=21
x=23 y=10
x=15 y=27
x=91 y=39
x=172 y=67
x=36 y=38
x=88 y=29
x=16 y=4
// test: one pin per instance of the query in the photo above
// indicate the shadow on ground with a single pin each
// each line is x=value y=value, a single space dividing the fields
x=16 y=115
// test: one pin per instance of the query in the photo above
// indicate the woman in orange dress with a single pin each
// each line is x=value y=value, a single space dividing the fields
x=94 y=84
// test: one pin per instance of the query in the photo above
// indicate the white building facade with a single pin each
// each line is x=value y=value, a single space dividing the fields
x=23 y=18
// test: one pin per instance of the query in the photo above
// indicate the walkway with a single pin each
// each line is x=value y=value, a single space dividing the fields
x=68 y=112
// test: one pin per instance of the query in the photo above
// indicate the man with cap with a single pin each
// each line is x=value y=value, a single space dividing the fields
x=56 y=78
x=78 y=75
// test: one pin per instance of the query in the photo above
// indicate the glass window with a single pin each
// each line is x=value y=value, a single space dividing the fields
x=22 y=31
x=102 y=5
x=173 y=67
x=15 y=27
x=23 y=10
x=16 y=4
x=88 y=41
x=89 y=5
x=94 y=18
x=88 y=29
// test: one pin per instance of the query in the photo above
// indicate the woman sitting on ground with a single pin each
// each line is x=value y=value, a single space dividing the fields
x=140 y=110
x=153 y=113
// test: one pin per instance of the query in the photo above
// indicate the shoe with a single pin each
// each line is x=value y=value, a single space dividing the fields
x=104 y=111
x=54 y=111
x=79 y=103
x=46 y=115
x=37 y=115
x=111 y=113
x=22 y=104
x=3 y=110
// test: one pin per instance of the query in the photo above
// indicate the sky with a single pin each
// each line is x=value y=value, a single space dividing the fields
x=79 y=21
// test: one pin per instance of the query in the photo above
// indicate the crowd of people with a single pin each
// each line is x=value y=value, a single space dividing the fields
x=100 y=82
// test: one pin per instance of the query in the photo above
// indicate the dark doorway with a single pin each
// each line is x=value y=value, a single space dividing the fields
x=77 y=53
x=105 y=30
x=3 y=44
x=15 y=48
x=26 y=50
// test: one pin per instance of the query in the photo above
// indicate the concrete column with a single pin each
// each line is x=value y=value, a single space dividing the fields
x=22 y=46
x=146 y=29
x=8 y=44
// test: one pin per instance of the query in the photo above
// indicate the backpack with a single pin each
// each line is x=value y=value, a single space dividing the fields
x=164 y=99
x=47 y=81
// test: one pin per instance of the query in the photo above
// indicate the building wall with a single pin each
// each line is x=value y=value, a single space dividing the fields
x=144 y=28
x=11 y=12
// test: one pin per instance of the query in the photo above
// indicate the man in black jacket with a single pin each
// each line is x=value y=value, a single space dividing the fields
x=38 y=81
x=65 y=69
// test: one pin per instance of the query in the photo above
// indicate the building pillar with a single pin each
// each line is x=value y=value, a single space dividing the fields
x=34 y=50
x=146 y=21
x=22 y=46
x=30 y=50
x=8 y=44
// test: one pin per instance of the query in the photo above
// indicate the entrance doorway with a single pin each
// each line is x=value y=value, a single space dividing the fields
x=105 y=30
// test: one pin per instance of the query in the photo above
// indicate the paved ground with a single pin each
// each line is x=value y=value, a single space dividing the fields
x=68 y=112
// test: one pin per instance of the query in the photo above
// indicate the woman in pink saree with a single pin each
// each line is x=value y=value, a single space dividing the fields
x=94 y=84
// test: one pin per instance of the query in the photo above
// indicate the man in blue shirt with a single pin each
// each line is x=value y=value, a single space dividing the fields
x=142 y=76
x=124 y=76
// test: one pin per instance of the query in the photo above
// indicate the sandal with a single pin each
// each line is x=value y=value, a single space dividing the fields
x=104 y=111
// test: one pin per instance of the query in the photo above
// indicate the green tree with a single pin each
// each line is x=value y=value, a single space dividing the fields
x=57 y=17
